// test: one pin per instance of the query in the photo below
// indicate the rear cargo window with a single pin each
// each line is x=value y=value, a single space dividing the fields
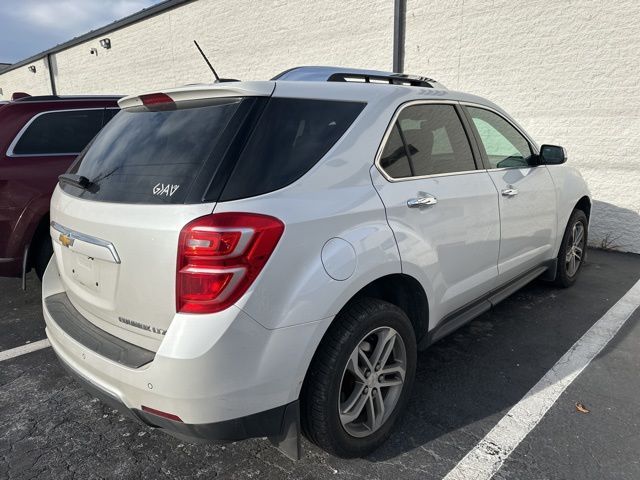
x=153 y=157
x=291 y=136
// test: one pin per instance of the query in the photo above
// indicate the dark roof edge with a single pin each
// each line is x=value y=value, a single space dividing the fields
x=123 y=22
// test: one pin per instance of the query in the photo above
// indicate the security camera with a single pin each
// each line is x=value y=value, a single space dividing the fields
x=94 y=51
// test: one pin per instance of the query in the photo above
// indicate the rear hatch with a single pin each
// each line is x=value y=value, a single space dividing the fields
x=156 y=166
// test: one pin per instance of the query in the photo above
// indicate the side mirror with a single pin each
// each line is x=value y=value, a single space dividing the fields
x=552 y=155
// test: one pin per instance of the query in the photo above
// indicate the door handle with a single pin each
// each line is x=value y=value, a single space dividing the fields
x=509 y=192
x=424 y=201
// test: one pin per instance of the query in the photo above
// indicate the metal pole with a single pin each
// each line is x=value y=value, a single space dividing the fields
x=51 y=75
x=399 y=20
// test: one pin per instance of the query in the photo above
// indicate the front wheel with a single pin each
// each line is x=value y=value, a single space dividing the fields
x=360 y=378
x=572 y=250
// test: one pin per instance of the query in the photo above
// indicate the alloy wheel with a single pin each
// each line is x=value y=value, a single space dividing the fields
x=372 y=382
x=575 y=250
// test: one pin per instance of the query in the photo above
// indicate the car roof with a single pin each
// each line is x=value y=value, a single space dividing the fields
x=41 y=103
x=63 y=98
x=346 y=74
x=325 y=82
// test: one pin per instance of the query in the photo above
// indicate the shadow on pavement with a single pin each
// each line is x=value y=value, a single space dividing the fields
x=469 y=380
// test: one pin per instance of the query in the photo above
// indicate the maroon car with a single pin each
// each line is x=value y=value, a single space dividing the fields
x=39 y=139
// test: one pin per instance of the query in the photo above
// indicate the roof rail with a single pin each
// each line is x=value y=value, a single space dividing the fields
x=393 y=79
x=356 y=75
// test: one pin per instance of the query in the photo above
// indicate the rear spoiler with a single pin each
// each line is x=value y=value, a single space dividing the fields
x=203 y=92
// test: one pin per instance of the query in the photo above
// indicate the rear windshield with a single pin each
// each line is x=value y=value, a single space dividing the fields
x=232 y=149
x=146 y=156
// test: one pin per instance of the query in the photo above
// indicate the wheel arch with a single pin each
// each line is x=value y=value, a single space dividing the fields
x=584 y=204
x=401 y=290
x=405 y=292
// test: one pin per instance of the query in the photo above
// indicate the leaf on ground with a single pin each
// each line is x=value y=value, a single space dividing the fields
x=581 y=408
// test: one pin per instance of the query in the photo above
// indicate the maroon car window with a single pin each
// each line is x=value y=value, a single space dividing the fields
x=59 y=132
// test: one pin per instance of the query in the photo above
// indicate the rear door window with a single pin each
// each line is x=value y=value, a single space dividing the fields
x=394 y=160
x=291 y=136
x=427 y=140
x=144 y=156
x=58 y=133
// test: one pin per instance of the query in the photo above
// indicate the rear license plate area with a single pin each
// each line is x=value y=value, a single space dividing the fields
x=85 y=271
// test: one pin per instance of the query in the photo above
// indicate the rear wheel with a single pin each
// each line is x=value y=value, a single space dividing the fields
x=572 y=250
x=360 y=378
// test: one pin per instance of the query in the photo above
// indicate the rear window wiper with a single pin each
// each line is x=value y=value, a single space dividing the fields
x=79 y=181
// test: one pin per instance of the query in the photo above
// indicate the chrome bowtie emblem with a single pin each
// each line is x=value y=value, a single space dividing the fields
x=65 y=240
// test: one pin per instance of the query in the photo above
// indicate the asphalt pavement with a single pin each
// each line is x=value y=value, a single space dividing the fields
x=467 y=382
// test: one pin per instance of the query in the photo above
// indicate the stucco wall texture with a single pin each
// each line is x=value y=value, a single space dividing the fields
x=567 y=70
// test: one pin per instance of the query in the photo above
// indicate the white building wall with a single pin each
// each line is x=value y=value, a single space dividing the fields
x=242 y=38
x=22 y=80
x=568 y=71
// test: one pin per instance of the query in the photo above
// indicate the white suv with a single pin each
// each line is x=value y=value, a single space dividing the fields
x=251 y=259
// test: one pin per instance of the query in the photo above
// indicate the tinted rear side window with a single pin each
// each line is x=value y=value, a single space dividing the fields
x=394 y=158
x=59 y=132
x=291 y=136
x=435 y=139
x=153 y=157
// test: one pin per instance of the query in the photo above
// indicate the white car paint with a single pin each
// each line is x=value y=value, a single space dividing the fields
x=254 y=355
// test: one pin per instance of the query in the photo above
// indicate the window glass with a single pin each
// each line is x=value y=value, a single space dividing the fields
x=394 y=158
x=291 y=136
x=435 y=140
x=441 y=143
x=109 y=113
x=503 y=144
x=161 y=155
x=60 y=132
x=153 y=156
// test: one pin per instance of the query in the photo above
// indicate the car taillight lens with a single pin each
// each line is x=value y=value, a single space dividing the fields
x=158 y=101
x=219 y=257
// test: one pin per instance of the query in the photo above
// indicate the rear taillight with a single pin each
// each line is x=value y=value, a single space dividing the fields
x=219 y=257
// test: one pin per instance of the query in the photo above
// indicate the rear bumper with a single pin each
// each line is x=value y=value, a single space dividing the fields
x=270 y=423
x=225 y=377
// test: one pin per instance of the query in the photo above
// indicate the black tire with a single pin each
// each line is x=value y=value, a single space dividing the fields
x=41 y=256
x=320 y=395
x=564 y=276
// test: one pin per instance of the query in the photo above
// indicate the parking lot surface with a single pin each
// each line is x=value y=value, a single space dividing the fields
x=50 y=428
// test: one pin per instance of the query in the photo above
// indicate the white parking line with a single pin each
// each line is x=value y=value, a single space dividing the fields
x=489 y=454
x=28 y=348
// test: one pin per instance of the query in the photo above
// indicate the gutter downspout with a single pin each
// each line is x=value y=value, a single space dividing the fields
x=51 y=75
x=399 y=21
